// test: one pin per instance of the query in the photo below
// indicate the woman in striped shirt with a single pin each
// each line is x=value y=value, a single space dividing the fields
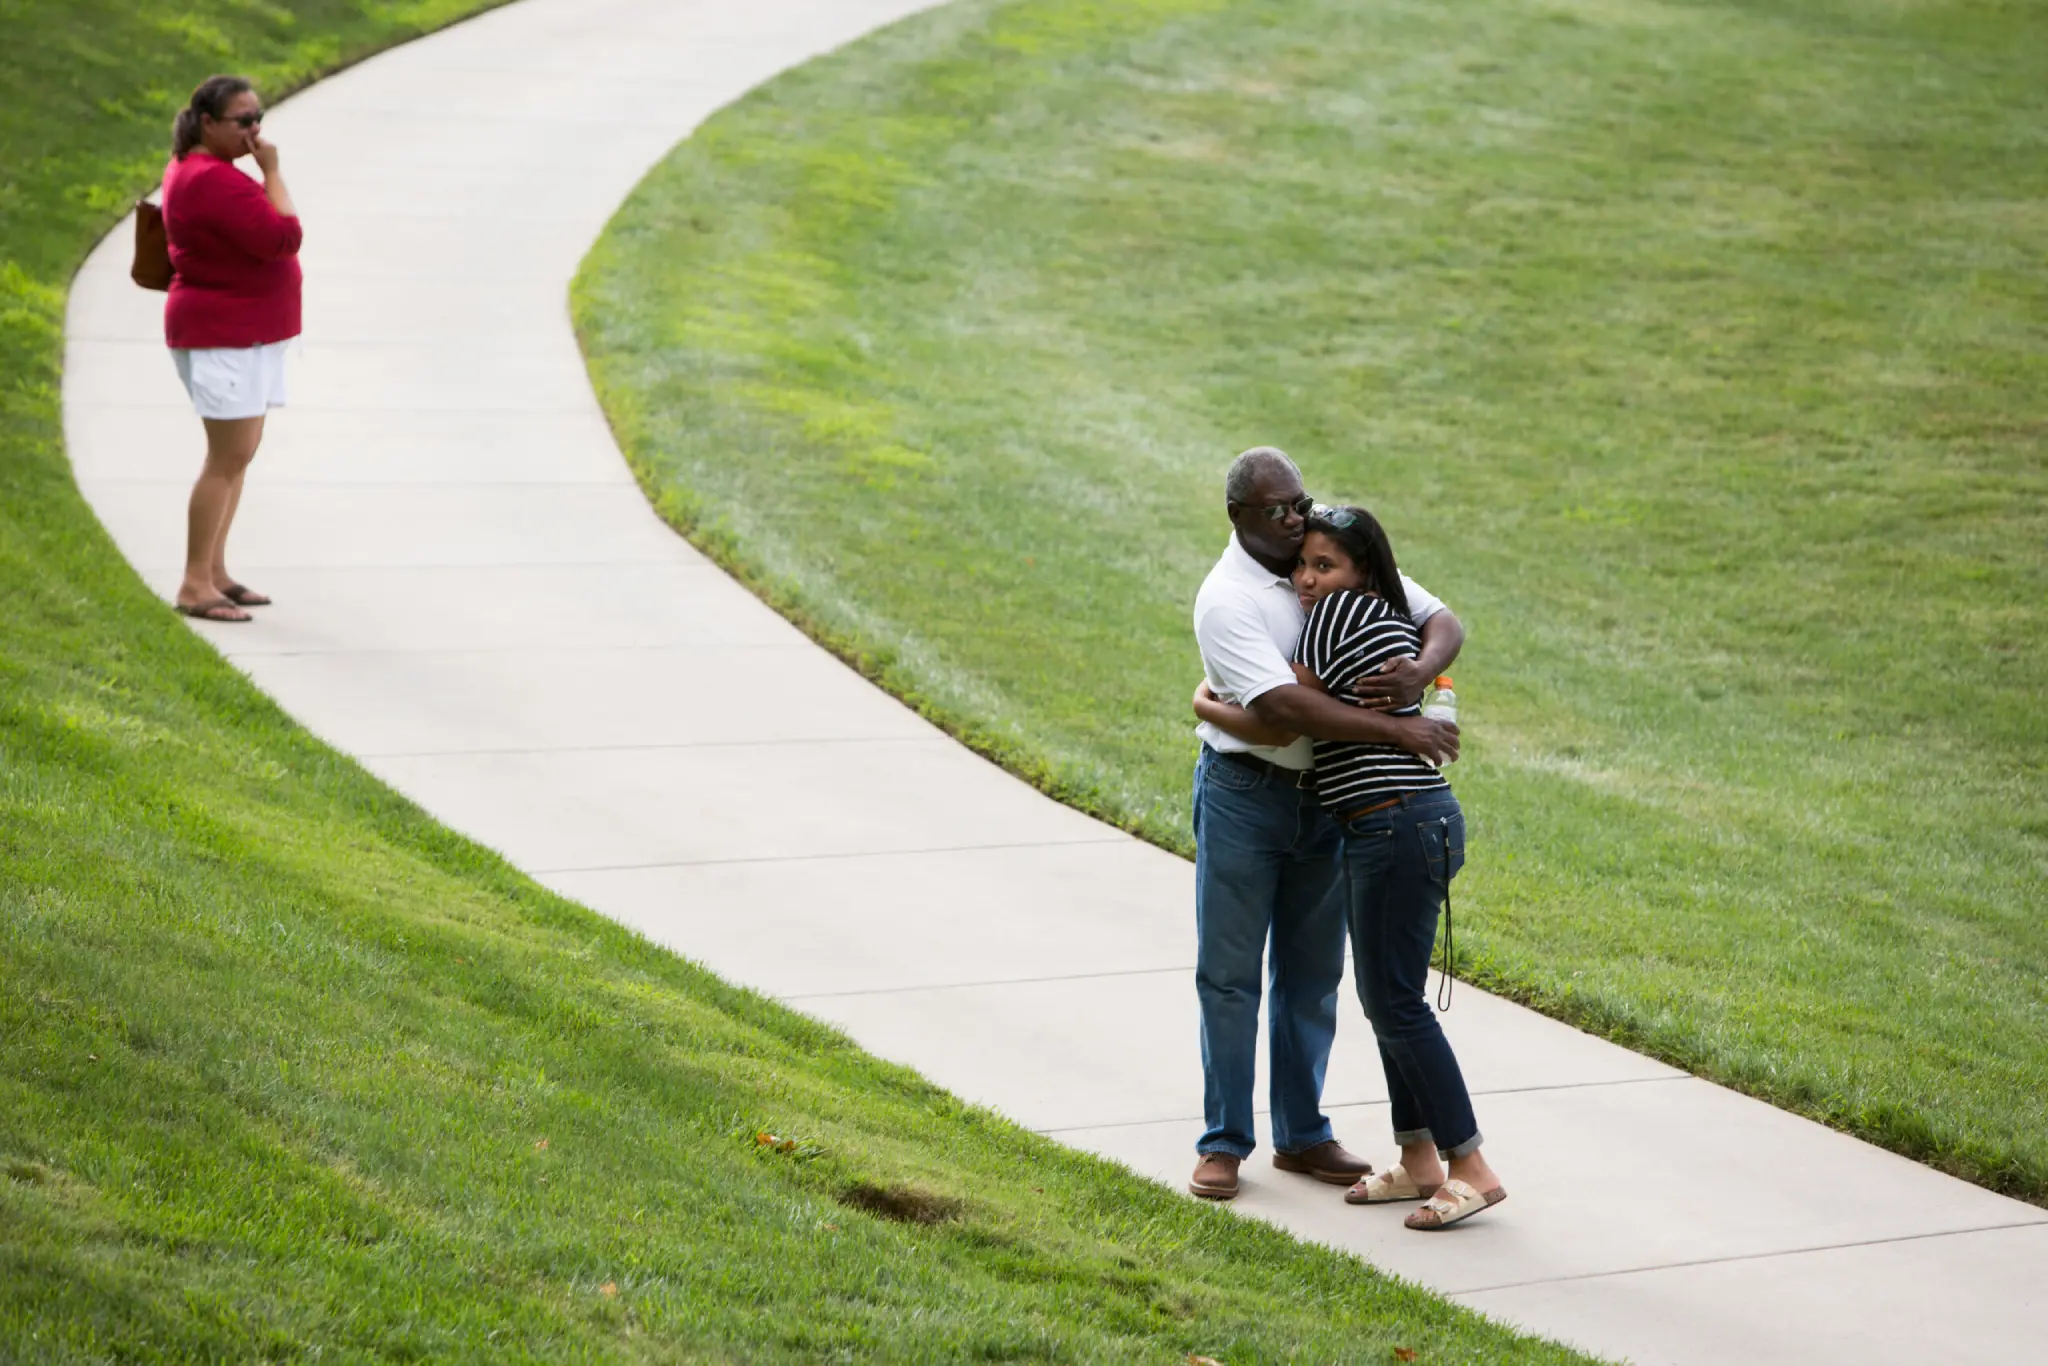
x=1404 y=840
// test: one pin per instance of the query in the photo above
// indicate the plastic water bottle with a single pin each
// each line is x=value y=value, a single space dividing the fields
x=1442 y=706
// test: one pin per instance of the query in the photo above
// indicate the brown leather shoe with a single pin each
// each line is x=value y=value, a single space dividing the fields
x=1215 y=1177
x=1325 y=1162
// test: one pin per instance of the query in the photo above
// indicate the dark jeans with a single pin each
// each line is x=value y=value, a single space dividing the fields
x=1398 y=866
x=1268 y=870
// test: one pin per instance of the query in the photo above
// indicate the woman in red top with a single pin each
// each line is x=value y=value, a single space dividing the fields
x=233 y=305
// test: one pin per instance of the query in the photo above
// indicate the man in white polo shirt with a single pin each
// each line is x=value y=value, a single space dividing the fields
x=1268 y=859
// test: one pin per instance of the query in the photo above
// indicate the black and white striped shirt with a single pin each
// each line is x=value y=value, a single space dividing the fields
x=1347 y=636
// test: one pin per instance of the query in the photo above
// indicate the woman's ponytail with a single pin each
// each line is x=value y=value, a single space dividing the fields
x=209 y=99
x=184 y=132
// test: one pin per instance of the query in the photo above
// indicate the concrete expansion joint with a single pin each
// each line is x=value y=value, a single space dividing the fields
x=809 y=741
x=1749 y=1257
x=1174 y=970
x=1117 y=838
x=1264 y=1111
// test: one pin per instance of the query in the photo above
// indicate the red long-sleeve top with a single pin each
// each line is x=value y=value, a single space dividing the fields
x=235 y=258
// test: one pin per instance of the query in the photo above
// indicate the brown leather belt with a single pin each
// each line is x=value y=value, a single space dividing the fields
x=1368 y=810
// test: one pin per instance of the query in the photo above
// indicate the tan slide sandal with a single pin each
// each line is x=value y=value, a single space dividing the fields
x=1389 y=1187
x=1453 y=1203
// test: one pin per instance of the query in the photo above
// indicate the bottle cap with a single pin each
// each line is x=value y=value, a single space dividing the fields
x=1443 y=680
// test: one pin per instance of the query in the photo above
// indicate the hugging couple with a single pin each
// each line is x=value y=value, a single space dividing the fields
x=1319 y=809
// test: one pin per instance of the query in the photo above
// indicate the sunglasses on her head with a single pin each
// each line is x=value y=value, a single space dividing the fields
x=1335 y=517
x=1277 y=512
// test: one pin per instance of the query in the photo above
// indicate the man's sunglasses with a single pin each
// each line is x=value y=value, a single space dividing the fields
x=1277 y=512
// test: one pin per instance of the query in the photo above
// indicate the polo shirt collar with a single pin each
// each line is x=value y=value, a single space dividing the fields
x=1243 y=566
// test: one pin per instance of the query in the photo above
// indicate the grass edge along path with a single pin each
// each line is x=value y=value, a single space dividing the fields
x=828 y=329
x=288 y=1070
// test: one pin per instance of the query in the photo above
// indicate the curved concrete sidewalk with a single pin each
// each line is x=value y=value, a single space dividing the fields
x=475 y=600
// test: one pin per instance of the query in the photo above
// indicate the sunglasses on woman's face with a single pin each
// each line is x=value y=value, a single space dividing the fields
x=246 y=120
x=1277 y=512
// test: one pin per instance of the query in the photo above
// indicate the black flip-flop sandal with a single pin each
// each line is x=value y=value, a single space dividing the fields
x=211 y=611
x=243 y=596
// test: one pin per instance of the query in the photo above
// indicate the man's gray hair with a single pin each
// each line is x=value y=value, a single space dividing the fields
x=1246 y=469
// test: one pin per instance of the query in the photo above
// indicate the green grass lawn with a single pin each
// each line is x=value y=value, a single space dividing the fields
x=288 y=1072
x=1695 y=352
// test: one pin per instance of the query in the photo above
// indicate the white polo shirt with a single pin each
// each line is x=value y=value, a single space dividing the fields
x=1247 y=623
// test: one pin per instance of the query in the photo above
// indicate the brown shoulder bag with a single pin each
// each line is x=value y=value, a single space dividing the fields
x=152 y=269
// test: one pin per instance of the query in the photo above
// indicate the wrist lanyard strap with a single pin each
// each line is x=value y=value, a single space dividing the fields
x=1443 y=983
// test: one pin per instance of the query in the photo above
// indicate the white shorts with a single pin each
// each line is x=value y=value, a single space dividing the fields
x=228 y=382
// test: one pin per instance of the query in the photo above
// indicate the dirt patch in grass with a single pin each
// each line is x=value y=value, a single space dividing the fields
x=902 y=1204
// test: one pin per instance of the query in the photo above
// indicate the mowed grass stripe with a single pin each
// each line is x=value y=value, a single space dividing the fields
x=1692 y=351
x=288 y=1071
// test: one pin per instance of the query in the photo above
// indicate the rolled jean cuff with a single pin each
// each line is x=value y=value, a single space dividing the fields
x=1465 y=1149
x=1227 y=1149
x=1404 y=1137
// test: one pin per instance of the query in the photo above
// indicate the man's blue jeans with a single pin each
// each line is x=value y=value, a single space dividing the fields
x=1268 y=870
